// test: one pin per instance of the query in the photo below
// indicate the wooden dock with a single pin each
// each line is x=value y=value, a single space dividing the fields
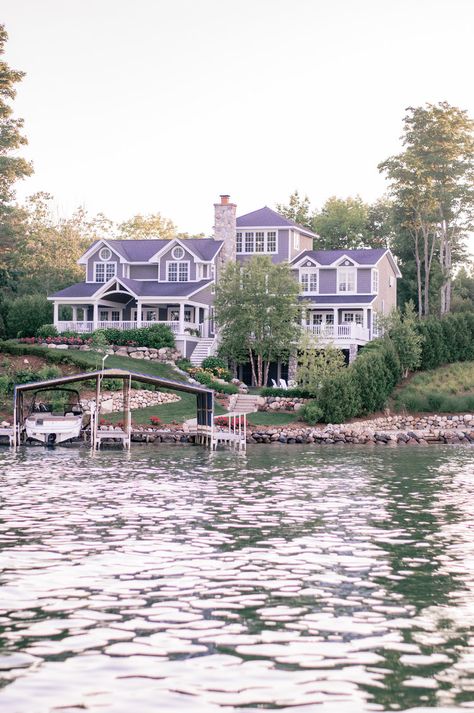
x=8 y=432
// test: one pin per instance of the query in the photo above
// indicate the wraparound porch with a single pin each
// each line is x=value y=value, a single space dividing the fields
x=183 y=318
x=341 y=326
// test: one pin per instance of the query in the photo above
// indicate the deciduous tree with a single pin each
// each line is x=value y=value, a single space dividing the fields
x=257 y=312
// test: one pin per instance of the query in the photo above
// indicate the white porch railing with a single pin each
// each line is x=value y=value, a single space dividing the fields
x=85 y=327
x=349 y=332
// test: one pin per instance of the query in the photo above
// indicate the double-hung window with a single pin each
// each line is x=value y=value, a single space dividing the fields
x=103 y=271
x=258 y=241
x=309 y=280
x=375 y=281
x=238 y=242
x=346 y=279
x=178 y=271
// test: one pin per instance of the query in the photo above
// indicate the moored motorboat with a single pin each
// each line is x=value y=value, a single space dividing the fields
x=55 y=420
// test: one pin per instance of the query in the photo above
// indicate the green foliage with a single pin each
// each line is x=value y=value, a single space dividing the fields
x=311 y=413
x=432 y=183
x=47 y=330
x=339 y=398
x=27 y=314
x=49 y=371
x=297 y=210
x=401 y=329
x=446 y=340
x=224 y=388
x=257 y=310
x=204 y=377
x=289 y=393
x=214 y=364
x=316 y=363
x=184 y=364
x=447 y=389
x=154 y=337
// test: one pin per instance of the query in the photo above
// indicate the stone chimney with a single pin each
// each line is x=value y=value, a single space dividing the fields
x=225 y=227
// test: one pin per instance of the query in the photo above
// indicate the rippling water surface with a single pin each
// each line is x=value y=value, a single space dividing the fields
x=298 y=579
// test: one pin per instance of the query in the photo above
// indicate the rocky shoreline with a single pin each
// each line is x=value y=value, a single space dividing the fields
x=390 y=431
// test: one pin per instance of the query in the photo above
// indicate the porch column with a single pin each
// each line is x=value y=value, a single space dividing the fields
x=74 y=313
x=205 y=324
x=139 y=314
x=181 y=318
x=55 y=314
x=95 y=315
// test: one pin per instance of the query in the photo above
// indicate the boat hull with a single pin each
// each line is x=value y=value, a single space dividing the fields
x=52 y=430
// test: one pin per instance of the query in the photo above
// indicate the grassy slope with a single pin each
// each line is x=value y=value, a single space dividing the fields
x=178 y=411
x=271 y=418
x=448 y=389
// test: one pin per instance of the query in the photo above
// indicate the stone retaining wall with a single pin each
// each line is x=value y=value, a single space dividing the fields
x=280 y=403
x=387 y=430
x=112 y=401
x=165 y=354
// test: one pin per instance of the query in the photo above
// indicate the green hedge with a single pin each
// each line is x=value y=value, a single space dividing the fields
x=446 y=340
x=155 y=337
x=289 y=393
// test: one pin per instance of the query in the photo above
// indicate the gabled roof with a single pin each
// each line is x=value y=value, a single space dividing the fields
x=267 y=218
x=362 y=256
x=142 y=250
x=202 y=248
x=140 y=288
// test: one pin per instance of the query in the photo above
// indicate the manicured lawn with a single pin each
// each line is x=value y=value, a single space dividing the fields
x=448 y=389
x=271 y=418
x=178 y=411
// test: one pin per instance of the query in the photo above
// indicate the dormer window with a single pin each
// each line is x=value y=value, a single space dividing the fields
x=177 y=252
x=178 y=271
x=346 y=279
x=104 y=271
x=309 y=279
x=105 y=254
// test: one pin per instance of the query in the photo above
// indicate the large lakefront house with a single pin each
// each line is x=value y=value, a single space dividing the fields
x=136 y=283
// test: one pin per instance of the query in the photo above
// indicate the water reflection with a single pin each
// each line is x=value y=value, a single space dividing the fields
x=288 y=578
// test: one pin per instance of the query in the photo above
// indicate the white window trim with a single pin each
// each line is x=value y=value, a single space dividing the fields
x=109 y=311
x=103 y=250
x=374 y=278
x=191 y=310
x=346 y=292
x=104 y=265
x=134 y=314
x=178 y=262
x=355 y=313
x=309 y=271
x=173 y=252
x=265 y=232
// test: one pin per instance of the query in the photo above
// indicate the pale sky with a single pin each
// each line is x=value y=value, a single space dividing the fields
x=142 y=106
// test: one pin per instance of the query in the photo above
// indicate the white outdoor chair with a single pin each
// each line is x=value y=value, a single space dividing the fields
x=274 y=384
x=283 y=384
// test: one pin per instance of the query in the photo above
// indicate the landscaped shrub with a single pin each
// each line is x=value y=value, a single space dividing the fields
x=446 y=340
x=154 y=337
x=47 y=330
x=224 y=388
x=217 y=366
x=204 y=377
x=27 y=314
x=339 y=398
x=288 y=393
x=311 y=412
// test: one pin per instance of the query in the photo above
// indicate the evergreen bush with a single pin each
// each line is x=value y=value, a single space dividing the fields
x=311 y=412
x=47 y=330
x=27 y=314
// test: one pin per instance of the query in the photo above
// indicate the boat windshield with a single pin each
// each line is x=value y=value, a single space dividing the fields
x=60 y=402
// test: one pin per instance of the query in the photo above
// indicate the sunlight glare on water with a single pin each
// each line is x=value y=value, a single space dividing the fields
x=292 y=578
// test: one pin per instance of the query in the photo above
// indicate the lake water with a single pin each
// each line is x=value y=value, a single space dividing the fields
x=333 y=579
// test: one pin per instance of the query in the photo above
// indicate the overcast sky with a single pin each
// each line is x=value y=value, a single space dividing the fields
x=161 y=105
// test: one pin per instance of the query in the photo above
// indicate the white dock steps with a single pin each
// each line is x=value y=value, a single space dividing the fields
x=244 y=403
x=202 y=350
x=115 y=435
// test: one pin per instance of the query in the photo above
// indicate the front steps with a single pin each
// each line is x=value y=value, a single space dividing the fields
x=202 y=350
x=243 y=403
